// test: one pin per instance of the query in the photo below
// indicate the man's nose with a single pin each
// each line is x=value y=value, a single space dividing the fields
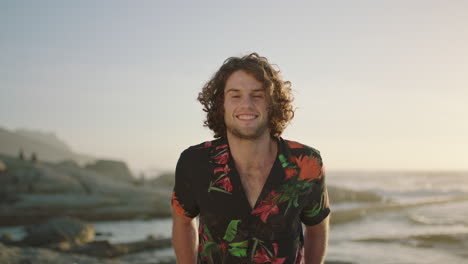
x=247 y=101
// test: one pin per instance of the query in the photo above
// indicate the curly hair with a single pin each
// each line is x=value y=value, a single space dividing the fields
x=280 y=110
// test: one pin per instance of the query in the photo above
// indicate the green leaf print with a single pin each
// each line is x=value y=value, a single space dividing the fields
x=239 y=249
x=231 y=231
x=207 y=232
x=312 y=212
x=284 y=161
x=217 y=189
x=254 y=247
x=209 y=248
x=296 y=203
x=242 y=244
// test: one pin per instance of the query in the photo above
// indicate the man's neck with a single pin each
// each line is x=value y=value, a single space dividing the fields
x=256 y=153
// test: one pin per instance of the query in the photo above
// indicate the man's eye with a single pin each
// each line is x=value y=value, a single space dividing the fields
x=235 y=96
x=258 y=96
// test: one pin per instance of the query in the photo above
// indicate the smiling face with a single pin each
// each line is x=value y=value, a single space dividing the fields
x=245 y=106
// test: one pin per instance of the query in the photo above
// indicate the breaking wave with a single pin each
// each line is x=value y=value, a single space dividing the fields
x=347 y=215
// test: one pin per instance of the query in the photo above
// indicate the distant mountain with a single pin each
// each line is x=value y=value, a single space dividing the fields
x=48 y=138
x=47 y=146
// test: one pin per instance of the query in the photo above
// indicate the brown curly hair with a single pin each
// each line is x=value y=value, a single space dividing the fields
x=280 y=110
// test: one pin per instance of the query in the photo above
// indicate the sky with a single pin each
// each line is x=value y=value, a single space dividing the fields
x=378 y=85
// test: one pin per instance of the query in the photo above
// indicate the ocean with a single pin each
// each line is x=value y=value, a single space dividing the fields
x=422 y=218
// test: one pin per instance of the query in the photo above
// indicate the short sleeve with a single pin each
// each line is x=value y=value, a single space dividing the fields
x=317 y=206
x=184 y=201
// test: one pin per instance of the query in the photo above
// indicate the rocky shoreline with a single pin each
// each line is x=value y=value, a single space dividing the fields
x=34 y=192
x=69 y=240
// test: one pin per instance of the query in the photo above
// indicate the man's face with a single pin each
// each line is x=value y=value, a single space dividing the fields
x=245 y=106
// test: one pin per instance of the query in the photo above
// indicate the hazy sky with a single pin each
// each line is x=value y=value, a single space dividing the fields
x=378 y=84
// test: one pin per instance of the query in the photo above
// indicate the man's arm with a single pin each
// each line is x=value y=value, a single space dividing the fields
x=184 y=239
x=315 y=242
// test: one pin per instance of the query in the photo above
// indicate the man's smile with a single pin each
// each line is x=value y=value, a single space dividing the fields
x=246 y=116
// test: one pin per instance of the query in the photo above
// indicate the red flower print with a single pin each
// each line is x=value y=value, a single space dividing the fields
x=200 y=247
x=299 y=255
x=261 y=256
x=290 y=173
x=177 y=207
x=200 y=231
x=222 y=158
x=222 y=146
x=223 y=247
x=225 y=183
x=224 y=169
x=292 y=159
x=267 y=206
x=277 y=260
x=294 y=144
x=207 y=144
x=310 y=169
x=205 y=238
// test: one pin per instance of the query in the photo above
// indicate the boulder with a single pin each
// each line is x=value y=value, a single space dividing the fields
x=17 y=255
x=59 y=230
x=68 y=163
x=165 y=180
x=31 y=193
x=116 y=169
x=105 y=249
x=3 y=167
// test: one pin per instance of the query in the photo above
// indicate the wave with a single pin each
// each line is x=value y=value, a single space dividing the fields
x=424 y=220
x=455 y=213
x=341 y=194
x=348 y=215
x=455 y=243
x=421 y=240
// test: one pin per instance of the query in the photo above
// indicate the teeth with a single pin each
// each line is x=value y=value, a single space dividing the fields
x=246 y=117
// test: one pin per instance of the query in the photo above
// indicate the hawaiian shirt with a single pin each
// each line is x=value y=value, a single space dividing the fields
x=208 y=185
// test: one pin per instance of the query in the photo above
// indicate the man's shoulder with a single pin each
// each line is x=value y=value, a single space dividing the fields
x=200 y=149
x=300 y=147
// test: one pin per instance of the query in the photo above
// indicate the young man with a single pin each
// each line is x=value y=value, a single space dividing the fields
x=251 y=189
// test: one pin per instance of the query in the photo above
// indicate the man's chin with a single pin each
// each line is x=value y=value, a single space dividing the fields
x=248 y=135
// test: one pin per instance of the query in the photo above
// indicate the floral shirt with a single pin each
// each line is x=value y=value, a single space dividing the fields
x=230 y=230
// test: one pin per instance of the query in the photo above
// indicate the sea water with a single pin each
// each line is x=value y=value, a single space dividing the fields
x=434 y=232
x=429 y=226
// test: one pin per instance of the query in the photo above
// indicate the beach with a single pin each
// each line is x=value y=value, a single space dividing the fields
x=422 y=217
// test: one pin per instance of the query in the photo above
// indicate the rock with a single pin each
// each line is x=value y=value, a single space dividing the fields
x=3 y=167
x=24 y=177
x=101 y=249
x=6 y=238
x=15 y=255
x=33 y=193
x=148 y=244
x=69 y=163
x=59 y=230
x=116 y=169
x=165 y=180
x=104 y=249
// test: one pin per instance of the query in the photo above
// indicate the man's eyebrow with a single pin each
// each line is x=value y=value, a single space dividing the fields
x=232 y=90
x=238 y=90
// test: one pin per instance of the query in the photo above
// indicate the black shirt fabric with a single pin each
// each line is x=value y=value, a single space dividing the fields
x=230 y=230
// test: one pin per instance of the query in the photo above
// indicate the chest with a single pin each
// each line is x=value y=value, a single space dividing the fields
x=253 y=182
